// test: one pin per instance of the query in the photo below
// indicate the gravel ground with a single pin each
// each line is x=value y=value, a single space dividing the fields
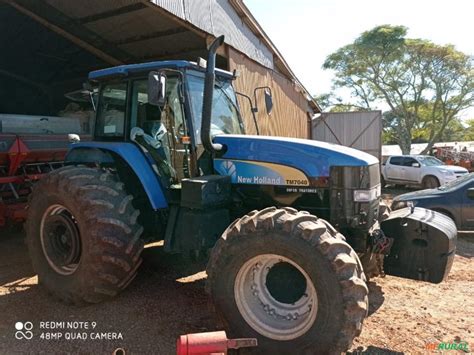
x=168 y=299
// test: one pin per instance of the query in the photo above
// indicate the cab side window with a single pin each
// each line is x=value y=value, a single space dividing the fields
x=409 y=161
x=111 y=110
x=396 y=160
x=144 y=114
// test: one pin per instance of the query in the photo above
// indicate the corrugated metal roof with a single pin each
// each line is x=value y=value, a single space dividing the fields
x=84 y=8
x=221 y=18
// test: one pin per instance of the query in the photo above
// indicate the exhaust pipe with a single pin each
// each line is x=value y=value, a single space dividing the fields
x=207 y=99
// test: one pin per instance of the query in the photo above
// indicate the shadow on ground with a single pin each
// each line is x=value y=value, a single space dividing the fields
x=465 y=246
x=376 y=297
x=374 y=350
x=166 y=299
x=15 y=264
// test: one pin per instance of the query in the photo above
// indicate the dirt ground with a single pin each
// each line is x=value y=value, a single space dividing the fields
x=168 y=299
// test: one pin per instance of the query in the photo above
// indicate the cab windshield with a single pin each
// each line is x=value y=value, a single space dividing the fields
x=225 y=114
x=430 y=161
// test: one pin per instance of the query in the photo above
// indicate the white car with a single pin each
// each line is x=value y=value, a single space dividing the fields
x=423 y=170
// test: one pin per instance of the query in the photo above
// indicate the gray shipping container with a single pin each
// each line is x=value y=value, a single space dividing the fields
x=359 y=130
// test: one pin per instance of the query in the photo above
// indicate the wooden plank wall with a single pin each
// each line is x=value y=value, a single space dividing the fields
x=289 y=117
x=360 y=130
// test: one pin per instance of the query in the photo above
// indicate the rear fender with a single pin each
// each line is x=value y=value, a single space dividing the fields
x=424 y=244
x=128 y=153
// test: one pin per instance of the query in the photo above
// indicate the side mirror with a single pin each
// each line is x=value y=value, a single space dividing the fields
x=268 y=100
x=156 y=88
x=415 y=165
x=73 y=138
x=470 y=193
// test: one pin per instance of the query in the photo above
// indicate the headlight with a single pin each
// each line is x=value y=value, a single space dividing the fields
x=367 y=195
x=447 y=172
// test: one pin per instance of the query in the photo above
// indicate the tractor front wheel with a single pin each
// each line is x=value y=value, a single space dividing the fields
x=82 y=234
x=290 y=280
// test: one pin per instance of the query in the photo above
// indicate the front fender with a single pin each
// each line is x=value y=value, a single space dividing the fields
x=103 y=152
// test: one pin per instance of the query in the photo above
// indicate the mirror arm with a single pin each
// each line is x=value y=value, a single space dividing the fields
x=253 y=109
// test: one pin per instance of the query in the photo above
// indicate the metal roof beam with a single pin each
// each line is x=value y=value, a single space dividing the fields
x=56 y=21
x=112 y=13
x=153 y=35
x=181 y=53
x=22 y=79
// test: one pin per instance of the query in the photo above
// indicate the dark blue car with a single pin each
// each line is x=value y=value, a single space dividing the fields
x=455 y=199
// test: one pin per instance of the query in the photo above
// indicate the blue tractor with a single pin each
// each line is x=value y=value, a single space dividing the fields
x=170 y=161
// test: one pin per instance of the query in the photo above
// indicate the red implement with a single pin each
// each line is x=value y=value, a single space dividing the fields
x=210 y=343
x=23 y=160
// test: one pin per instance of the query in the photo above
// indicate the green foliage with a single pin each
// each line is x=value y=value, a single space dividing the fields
x=425 y=85
x=468 y=132
x=330 y=103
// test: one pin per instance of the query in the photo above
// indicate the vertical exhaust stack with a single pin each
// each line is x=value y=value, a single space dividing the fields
x=207 y=99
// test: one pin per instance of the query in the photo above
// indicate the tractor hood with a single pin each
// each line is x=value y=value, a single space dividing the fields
x=274 y=157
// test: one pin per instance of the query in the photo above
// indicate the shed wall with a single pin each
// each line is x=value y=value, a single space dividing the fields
x=289 y=117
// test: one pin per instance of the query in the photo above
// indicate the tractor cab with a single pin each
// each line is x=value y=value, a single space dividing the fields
x=158 y=106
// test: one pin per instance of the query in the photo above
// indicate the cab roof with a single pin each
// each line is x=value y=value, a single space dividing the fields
x=132 y=69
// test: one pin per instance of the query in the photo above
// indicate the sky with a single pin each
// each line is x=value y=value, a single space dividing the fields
x=307 y=31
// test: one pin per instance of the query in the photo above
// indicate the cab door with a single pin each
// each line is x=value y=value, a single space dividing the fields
x=164 y=128
x=178 y=136
x=393 y=170
x=411 y=170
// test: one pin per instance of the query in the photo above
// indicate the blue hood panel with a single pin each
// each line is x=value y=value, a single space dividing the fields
x=314 y=158
x=427 y=193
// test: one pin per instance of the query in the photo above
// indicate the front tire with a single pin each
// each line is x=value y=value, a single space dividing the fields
x=290 y=280
x=430 y=182
x=82 y=235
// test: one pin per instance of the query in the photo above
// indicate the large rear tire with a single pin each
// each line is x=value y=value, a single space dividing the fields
x=82 y=235
x=290 y=280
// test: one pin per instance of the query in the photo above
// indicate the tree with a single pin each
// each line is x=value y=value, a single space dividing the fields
x=332 y=103
x=468 y=133
x=425 y=85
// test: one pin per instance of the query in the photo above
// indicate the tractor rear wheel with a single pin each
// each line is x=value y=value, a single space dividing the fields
x=290 y=280
x=82 y=234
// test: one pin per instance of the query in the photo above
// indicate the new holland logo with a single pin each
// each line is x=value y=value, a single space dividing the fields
x=228 y=168
x=260 y=173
